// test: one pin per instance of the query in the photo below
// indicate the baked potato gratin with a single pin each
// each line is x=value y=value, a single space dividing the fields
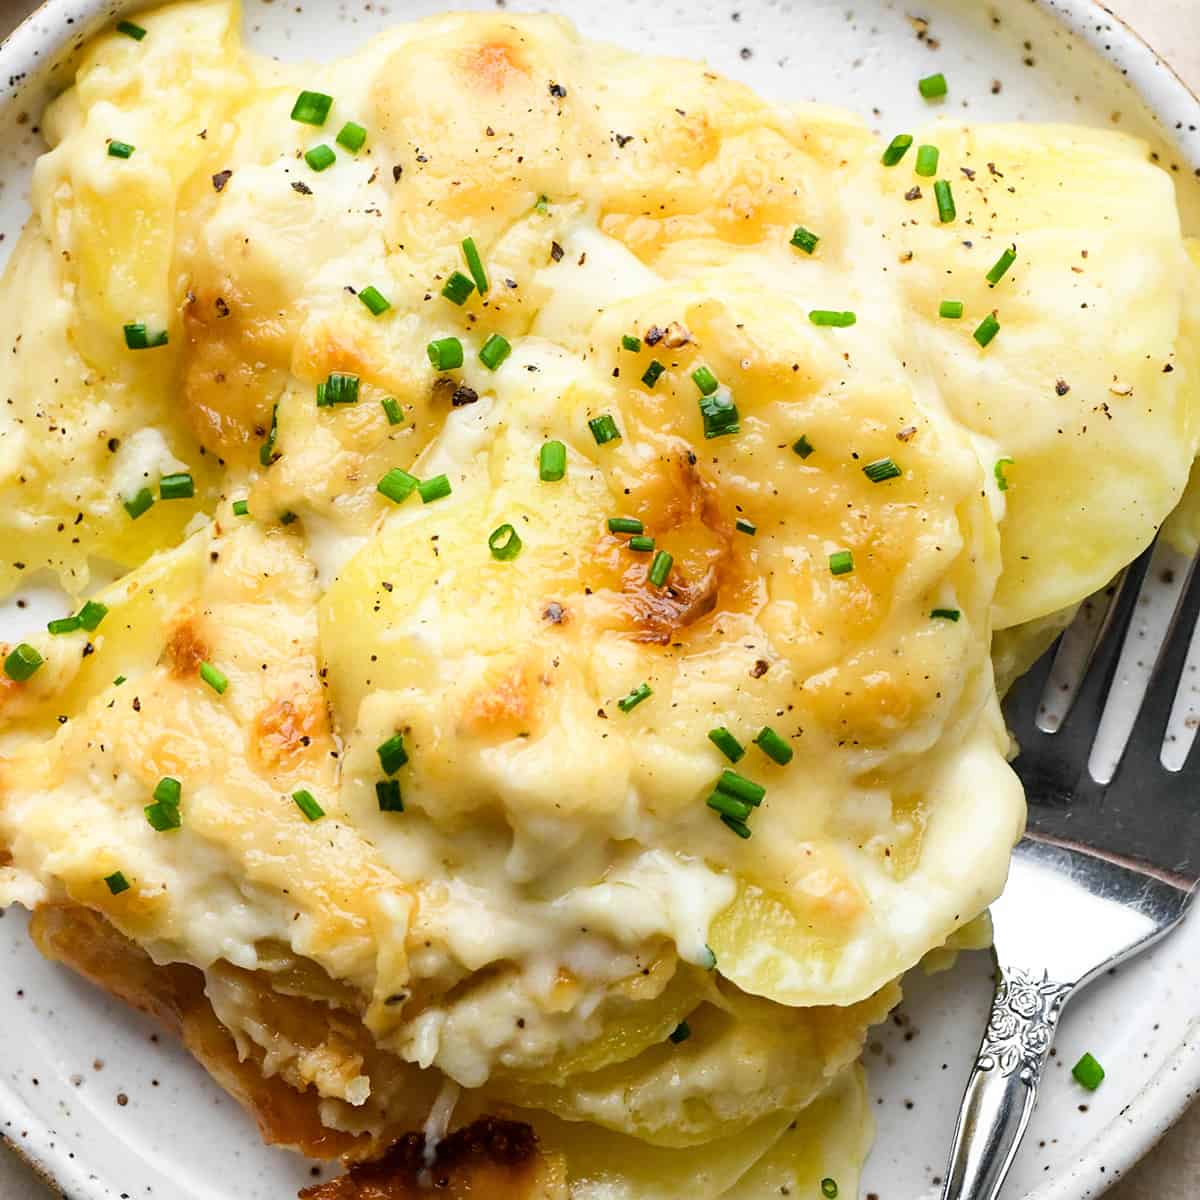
x=564 y=507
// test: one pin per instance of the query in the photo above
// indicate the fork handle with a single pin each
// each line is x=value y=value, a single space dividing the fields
x=1001 y=1092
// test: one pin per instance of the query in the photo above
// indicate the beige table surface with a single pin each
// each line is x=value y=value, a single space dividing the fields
x=1172 y=1170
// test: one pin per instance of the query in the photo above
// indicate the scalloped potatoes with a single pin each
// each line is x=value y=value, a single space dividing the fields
x=476 y=550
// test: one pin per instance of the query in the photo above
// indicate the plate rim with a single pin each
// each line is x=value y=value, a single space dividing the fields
x=1156 y=1107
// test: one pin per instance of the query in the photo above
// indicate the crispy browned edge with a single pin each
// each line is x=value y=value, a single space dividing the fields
x=493 y=1158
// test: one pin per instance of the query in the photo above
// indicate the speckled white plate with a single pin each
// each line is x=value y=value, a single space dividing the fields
x=90 y=1094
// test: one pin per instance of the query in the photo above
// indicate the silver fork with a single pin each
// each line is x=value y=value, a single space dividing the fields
x=1103 y=872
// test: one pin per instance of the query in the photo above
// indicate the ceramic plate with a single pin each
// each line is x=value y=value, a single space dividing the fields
x=90 y=1093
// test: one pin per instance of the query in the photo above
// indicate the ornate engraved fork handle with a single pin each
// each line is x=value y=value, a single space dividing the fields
x=1003 y=1086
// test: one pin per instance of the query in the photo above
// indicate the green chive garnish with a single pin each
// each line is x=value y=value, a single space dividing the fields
x=744 y=526
x=446 y=353
x=266 y=452
x=998 y=471
x=643 y=545
x=306 y=802
x=458 y=288
x=951 y=310
x=802 y=446
x=504 y=543
x=726 y=743
x=897 y=149
x=387 y=793
x=741 y=788
x=214 y=678
x=475 y=265
x=1088 y=1072
x=163 y=817
x=773 y=746
x=625 y=525
x=392 y=754
x=653 y=372
x=120 y=679
x=63 y=625
x=340 y=388
x=927 y=161
x=22 y=662
x=705 y=380
x=552 y=462
x=727 y=806
x=119 y=149
x=838 y=320
x=680 y=1033
x=494 y=351
x=660 y=568
x=630 y=702
x=135 y=506
x=241 y=508
x=805 y=239
x=945 y=201
x=631 y=343
x=945 y=614
x=881 y=470
x=604 y=429
x=829 y=1188
x=117 y=883
x=543 y=205
x=91 y=614
x=168 y=791
x=397 y=485
x=933 y=86
x=393 y=411
x=179 y=486
x=353 y=136
x=988 y=328
x=321 y=157
x=719 y=413
x=312 y=108
x=738 y=827
x=130 y=30
x=841 y=563
x=1005 y=261
x=375 y=300
x=137 y=337
x=437 y=488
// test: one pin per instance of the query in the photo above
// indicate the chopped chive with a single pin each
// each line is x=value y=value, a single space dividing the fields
x=653 y=373
x=214 y=677
x=504 y=543
x=951 y=310
x=475 y=265
x=1005 y=261
x=998 y=471
x=604 y=429
x=805 y=239
x=393 y=411
x=927 y=161
x=988 y=328
x=543 y=205
x=838 y=320
x=163 y=817
x=628 y=703
x=945 y=614
x=631 y=343
x=881 y=470
x=660 y=568
x=773 y=746
x=802 y=446
x=266 y=452
x=945 y=201
x=340 y=388
x=552 y=462
x=744 y=526
x=397 y=485
x=119 y=149
x=387 y=793
x=729 y=806
x=494 y=351
x=625 y=525
x=321 y=157
x=137 y=337
x=738 y=786
x=458 y=288
x=705 y=380
x=135 y=506
x=437 y=488
x=392 y=754
x=91 y=614
x=829 y=1188
x=375 y=300
x=168 y=791
x=179 y=486
x=932 y=86
x=130 y=30
x=241 y=508
x=726 y=743
x=22 y=662
x=353 y=136
x=841 y=563
x=306 y=802
x=117 y=883
x=62 y=625
x=738 y=827
x=719 y=413
x=1088 y=1072
x=897 y=148
x=312 y=108
x=643 y=545
x=120 y=679
x=446 y=353
x=680 y=1033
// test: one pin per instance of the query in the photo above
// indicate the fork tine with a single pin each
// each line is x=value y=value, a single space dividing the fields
x=1023 y=702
